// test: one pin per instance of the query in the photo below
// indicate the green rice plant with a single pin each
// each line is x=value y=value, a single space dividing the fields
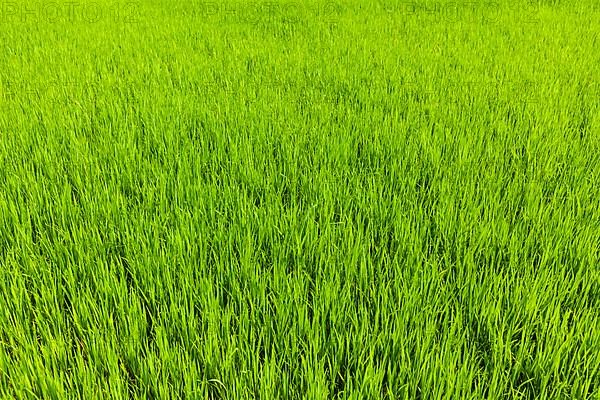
x=284 y=200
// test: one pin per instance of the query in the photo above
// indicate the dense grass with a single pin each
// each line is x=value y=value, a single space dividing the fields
x=353 y=200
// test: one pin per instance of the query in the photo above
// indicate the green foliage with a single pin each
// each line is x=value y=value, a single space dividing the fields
x=353 y=200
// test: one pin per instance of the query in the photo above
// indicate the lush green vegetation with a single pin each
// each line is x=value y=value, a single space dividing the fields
x=354 y=200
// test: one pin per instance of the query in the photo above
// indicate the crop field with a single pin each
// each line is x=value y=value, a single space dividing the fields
x=353 y=199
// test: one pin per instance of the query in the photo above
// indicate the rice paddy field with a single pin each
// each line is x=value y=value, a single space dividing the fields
x=360 y=199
